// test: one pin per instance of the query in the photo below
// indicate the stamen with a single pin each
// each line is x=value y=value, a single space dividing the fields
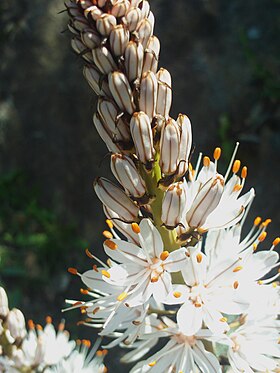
x=262 y=237
x=197 y=304
x=31 y=324
x=154 y=279
x=235 y=284
x=199 y=258
x=177 y=294
x=206 y=161
x=39 y=327
x=217 y=153
x=105 y=273
x=237 y=188
x=84 y=291
x=48 y=320
x=164 y=255
x=244 y=172
x=223 y=319
x=236 y=166
x=122 y=296
x=232 y=160
x=107 y=234
x=109 y=223
x=73 y=271
x=197 y=165
x=266 y=223
x=257 y=221
x=91 y=256
x=152 y=364
x=255 y=246
x=111 y=244
x=135 y=227
x=237 y=269
x=276 y=241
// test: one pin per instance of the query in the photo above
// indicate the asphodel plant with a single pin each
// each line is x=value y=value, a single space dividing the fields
x=178 y=267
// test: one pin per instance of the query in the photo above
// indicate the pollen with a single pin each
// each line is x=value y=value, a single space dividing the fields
x=177 y=294
x=257 y=221
x=105 y=273
x=86 y=343
x=260 y=282
x=107 y=234
x=262 y=236
x=111 y=244
x=237 y=187
x=154 y=279
x=236 y=166
x=217 y=153
x=235 y=284
x=244 y=172
x=276 y=241
x=223 y=319
x=73 y=271
x=135 y=227
x=152 y=364
x=84 y=291
x=266 y=222
x=274 y=284
x=237 y=269
x=255 y=246
x=206 y=161
x=110 y=223
x=122 y=296
x=199 y=258
x=48 y=320
x=164 y=255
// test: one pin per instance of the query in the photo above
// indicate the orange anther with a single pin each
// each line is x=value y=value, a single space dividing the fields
x=235 y=284
x=237 y=269
x=94 y=267
x=206 y=161
x=154 y=279
x=88 y=253
x=199 y=258
x=255 y=246
x=107 y=234
x=177 y=294
x=266 y=222
x=105 y=352
x=236 y=166
x=152 y=364
x=111 y=244
x=135 y=227
x=105 y=273
x=84 y=291
x=237 y=187
x=223 y=319
x=164 y=255
x=48 y=320
x=257 y=221
x=73 y=271
x=122 y=296
x=31 y=324
x=217 y=153
x=197 y=305
x=244 y=172
x=39 y=327
x=262 y=236
x=276 y=241
x=95 y=310
x=110 y=223
x=99 y=353
x=77 y=304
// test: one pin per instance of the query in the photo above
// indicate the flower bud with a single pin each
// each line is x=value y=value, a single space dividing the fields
x=124 y=228
x=151 y=19
x=174 y=204
x=120 y=7
x=109 y=114
x=148 y=94
x=116 y=199
x=72 y=9
x=16 y=323
x=127 y=175
x=84 y=3
x=144 y=31
x=101 y=3
x=142 y=136
x=164 y=94
x=145 y=9
x=103 y=60
x=185 y=143
x=94 y=11
x=132 y=19
x=4 y=304
x=119 y=39
x=133 y=60
x=105 y=134
x=80 y=49
x=206 y=200
x=169 y=147
x=90 y=38
x=121 y=91
x=105 y=24
x=80 y=23
x=135 y=3
x=151 y=55
x=93 y=78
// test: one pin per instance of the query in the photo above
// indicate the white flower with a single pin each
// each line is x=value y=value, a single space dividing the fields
x=181 y=354
x=143 y=271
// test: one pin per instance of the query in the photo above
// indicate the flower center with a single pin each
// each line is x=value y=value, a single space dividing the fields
x=183 y=339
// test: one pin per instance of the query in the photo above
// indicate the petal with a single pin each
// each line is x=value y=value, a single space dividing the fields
x=179 y=299
x=126 y=252
x=189 y=318
x=195 y=270
x=162 y=287
x=213 y=319
x=150 y=238
x=207 y=362
x=176 y=261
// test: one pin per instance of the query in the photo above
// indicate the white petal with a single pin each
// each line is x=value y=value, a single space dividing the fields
x=189 y=318
x=150 y=238
x=176 y=261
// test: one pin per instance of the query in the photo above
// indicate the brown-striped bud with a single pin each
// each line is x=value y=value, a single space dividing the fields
x=105 y=134
x=109 y=114
x=127 y=175
x=105 y=24
x=133 y=60
x=103 y=60
x=120 y=7
x=151 y=19
x=121 y=91
x=164 y=95
x=144 y=32
x=151 y=55
x=135 y=3
x=80 y=23
x=169 y=147
x=124 y=228
x=205 y=201
x=16 y=324
x=80 y=49
x=4 y=304
x=101 y=3
x=141 y=132
x=185 y=143
x=84 y=3
x=133 y=18
x=90 y=38
x=174 y=204
x=148 y=94
x=72 y=9
x=93 y=11
x=145 y=8
x=94 y=79
x=119 y=39
x=116 y=199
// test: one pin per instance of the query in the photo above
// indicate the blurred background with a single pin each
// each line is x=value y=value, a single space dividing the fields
x=224 y=59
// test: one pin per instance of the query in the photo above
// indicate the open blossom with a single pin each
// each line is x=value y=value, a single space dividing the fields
x=181 y=353
x=144 y=271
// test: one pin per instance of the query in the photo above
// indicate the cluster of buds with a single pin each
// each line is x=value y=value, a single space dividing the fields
x=162 y=206
x=36 y=349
